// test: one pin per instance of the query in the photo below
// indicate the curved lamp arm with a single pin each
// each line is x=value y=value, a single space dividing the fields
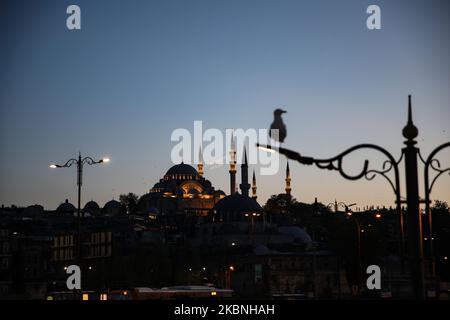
x=336 y=163
x=90 y=161
x=434 y=164
x=69 y=163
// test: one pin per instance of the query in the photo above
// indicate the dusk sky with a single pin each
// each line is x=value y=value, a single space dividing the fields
x=137 y=70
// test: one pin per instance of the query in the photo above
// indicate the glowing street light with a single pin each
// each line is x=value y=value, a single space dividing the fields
x=266 y=148
x=79 y=162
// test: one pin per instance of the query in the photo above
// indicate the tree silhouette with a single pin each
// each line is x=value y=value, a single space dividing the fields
x=129 y=201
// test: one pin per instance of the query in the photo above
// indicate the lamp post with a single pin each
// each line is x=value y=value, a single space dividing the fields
x=228 y=272
x=359 y=230
x=415 y=238
x=358 y=246
x=410 y=153
x=79 y=162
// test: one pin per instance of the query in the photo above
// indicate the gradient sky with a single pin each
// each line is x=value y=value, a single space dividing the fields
x=140 y=69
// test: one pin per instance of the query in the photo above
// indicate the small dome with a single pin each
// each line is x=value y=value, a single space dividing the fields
x=112 y=207
x=66 y=207
x=34 y=209
x=91 y=206
x=237 y=203
x=182 y=168
x=158 y=187
x=219 y=193
x=299 y=234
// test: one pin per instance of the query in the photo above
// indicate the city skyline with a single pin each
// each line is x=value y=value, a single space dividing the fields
x=119 y=86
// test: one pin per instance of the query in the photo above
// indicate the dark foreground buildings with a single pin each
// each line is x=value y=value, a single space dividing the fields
x=185 y=232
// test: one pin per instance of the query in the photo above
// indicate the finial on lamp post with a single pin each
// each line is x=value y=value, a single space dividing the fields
x=410 y=131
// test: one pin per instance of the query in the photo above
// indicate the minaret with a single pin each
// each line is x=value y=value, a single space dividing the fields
x=288 y=180
x=245 y=186
x=232 y=170
x=254 y=196
x=200 y=163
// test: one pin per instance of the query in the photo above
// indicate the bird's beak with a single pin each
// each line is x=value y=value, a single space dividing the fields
x=283 y=111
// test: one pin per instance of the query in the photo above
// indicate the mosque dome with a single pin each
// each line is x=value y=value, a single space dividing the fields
x=237 y=203
x=91 y=207
x=299 y=234
x=34 y=209
x=112 y=207
x=180 y=170
x=66 y=207
x=219 y=193
x=158 y=187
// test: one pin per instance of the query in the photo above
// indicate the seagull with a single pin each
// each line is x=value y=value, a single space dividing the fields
x=278 y=124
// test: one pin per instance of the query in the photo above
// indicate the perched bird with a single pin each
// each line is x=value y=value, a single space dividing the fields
x=278 y=124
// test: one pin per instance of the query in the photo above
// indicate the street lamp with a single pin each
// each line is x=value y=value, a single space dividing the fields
x=228 y=272
x=349 y=213
x=359 y=230
x=79 y=162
